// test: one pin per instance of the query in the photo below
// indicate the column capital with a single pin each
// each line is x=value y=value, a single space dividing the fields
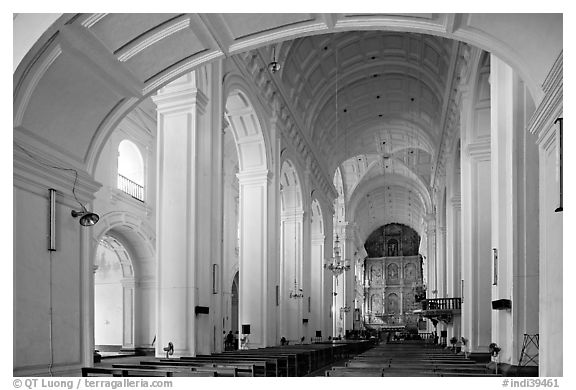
x=254 y=177
x=479 y=149
x=456 y=202
x=180 y=100
x=318 y=238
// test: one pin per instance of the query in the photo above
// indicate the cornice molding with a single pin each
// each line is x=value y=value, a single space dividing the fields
x=33 y=175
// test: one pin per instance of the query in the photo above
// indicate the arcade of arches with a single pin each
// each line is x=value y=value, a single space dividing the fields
x=421 y=150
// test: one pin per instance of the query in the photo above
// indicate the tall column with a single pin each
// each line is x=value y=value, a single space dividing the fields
x=551 y=228
x=431 y=249
x=503 y=203
x=145 y=313
x=513 y=200
x=256 y=294
x=291 y=309
x=441 y=260
x=349 y=276
x=187 y=198
x=476 y=219
x=328 y=287
x=317 y=275
x=453 y=253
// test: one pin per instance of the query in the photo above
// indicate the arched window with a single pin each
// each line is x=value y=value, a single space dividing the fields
x=130 y=170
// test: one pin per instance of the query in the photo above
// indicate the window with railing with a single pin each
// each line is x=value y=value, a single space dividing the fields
x=130 y=170
x=131 y=188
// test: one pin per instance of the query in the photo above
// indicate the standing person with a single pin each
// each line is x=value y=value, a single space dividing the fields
x=230 y=341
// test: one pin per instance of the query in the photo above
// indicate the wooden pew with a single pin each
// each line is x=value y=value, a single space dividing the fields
x=183 y=370
x=347 y=372
x=101 y=371
x=262 y=366
x=286 y=364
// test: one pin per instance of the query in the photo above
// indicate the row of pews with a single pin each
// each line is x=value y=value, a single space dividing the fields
x=278 y=361
x=412 y=359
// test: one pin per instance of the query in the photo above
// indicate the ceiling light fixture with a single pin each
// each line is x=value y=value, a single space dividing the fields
x=274 y=66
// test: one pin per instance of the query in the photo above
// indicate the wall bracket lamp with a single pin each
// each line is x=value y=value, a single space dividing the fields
x=87 y=218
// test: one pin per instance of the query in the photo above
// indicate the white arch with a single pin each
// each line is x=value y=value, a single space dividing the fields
x=248 y=129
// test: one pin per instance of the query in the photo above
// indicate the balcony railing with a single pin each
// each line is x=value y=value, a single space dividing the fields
x=133 y=189
x=442 y=304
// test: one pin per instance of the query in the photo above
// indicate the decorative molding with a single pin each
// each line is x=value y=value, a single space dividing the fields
x=38 y=177
x=91 y=20
x=479 y=149
x=252 y=65
x=456 y=202
x=282 y=34
x=39 y=72
x=135 y=47
x=180 y=101
x=542 y=121
x=460 y=70
x=255 y=177
x=187 y=64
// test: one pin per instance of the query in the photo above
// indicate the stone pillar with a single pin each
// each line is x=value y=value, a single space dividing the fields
x=256 y=294
x=514 y=199
x=186 y=201
x=128 y=298
x=328 y=286
x=349 y=277
x=476 y=217
x=431 y=249
x=317 y=276
x=291 y=269
x=145 y=313
x=453 y=253
x=543 y=125
x=441 y=261
x=503 y=159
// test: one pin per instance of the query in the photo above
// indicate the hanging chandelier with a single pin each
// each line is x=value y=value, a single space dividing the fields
x=336 y=265
x=296 y=292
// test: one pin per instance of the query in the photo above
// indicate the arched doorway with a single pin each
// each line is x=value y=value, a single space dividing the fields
x=123 y=237
x=113 y=297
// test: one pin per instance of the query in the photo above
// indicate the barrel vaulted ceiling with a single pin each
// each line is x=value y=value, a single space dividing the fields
x=82 y=76
x=373 y=104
